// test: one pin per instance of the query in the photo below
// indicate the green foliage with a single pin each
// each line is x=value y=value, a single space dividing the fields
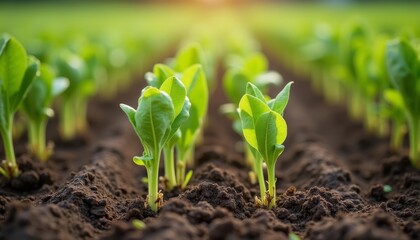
x=265 y=130
x=195 y=84
x=159 y=115
x=404 y=70
x=252 y=68
x=37 y=107
x=74 y=99
x=17 y=72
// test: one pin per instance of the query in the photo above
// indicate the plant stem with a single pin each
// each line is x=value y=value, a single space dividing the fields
x=37 y=142
x=168 y=153
x=180 y=167
x=81 y=115
x=67 y=120
x=397 y=135
x=413 y=124
x=12 y=169
x=271 y=171
x=153 y=175
x=260 y=174
x=371 y=123
x=356 y=105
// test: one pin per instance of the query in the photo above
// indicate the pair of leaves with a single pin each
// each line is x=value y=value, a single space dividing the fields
x=159 y=115
x=17 y=72
x=262 y=123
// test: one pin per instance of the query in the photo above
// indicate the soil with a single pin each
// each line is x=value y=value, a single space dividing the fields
x=330 y=184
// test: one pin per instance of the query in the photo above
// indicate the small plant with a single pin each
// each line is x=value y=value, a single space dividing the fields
x=73 y=108
x=159 y=115
x=404 y=70
x=17 y=71
x=194 y=80
x=195 y=83
x=37 y=107
x=250 y=69
x=265 y=130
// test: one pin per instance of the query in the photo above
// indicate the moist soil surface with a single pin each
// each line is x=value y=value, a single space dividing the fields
x=330 y=182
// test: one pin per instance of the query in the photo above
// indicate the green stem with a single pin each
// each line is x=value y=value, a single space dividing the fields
x=260 y=174
x=67 y=120
x=383 y=128
x=413 y=124
x=356 y=105
x=397 y=135
x=153 y=176
x=271 y=171
x=189 y=156
x=81 y=115
x=370 y=117
x=180 y=167
x=12 y=169
x=168 y=153
x=37 y=142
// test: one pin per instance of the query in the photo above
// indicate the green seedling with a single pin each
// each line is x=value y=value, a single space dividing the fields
x=404 y=70
x=265 y=130
x=254 y=69
x=395 y=112
x=196 y=86
x=17 y=72
x=73 y=109
x=159 y=115
x=37 y=108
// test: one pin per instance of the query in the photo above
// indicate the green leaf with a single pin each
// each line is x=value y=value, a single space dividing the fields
x=234 y=84
x=403 y=69
x=142 y=160
x=250 y=109
x=188 y=56
x=176 y=90
x=160 y=73
x=131 y=113
x=253 y=90
x=60 y=84
x=268 y=78
x=180 y=119
x=13 y=64
x=394 y=98
x=271 y=131
x=195 y=83
x=255 y=64
x=279 y=103
x=187 y=179
x=154 y=117
x=27 y=80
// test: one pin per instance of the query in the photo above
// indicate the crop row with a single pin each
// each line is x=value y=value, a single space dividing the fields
x=371 y=69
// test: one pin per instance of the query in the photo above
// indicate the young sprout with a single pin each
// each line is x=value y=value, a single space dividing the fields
x=37 y=105
x=404 y=70
x=159 y=115
x=254 y=69
x=265 y=130
x=195 y=84
x=73 y=120
x=17 y=72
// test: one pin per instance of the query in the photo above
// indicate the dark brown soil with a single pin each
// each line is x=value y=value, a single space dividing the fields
x=330 y=183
